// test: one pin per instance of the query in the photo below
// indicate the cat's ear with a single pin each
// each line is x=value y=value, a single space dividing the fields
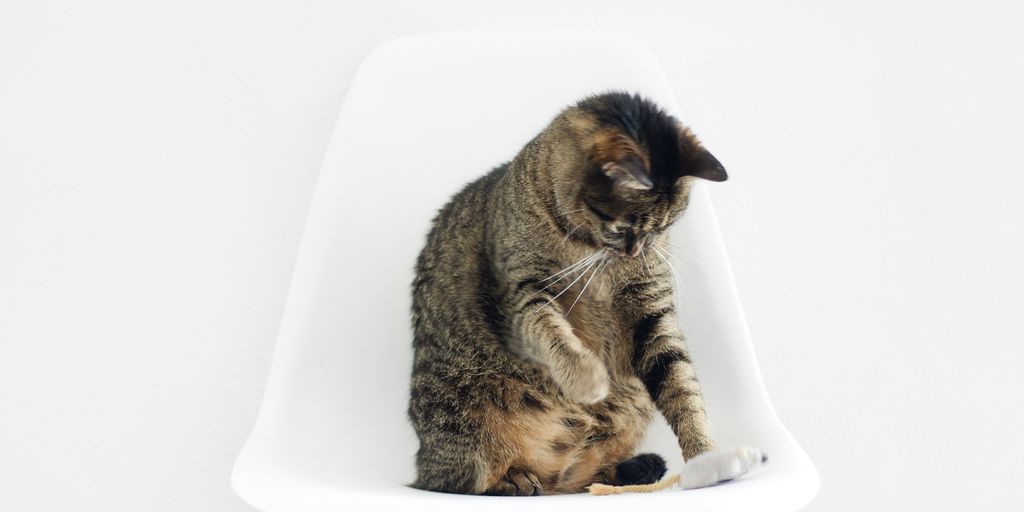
x=697 y=161
x=704 y=165
x=622 y=161
x=628 y=172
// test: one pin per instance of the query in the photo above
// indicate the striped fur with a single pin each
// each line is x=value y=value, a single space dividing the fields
x=545 y=329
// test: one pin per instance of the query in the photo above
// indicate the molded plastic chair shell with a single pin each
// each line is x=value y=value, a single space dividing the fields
x=425 y=115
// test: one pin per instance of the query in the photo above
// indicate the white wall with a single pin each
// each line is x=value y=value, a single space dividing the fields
x=156 y=162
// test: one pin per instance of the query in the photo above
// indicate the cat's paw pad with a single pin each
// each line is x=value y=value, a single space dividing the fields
x=584 y=380
x=517 y=483
x=719 y=466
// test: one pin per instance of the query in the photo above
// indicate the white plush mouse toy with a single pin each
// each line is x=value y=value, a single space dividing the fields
x=706 y=469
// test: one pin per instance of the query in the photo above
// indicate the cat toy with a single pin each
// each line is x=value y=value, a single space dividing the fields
x=703 y=470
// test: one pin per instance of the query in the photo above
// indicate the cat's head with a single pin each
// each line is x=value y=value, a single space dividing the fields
x=634 y=178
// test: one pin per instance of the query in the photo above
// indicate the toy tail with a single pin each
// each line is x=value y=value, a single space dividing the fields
x=603 y=490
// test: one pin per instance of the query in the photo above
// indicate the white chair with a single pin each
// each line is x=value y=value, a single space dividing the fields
x=424 y=115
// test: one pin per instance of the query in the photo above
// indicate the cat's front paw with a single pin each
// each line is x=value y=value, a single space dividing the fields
x=583 y=379
x=719 y=466
x=696 y=444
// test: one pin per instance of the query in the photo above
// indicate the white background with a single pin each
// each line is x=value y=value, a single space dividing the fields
x=156 y=163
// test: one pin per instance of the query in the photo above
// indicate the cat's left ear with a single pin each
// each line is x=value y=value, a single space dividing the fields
x=704 y=165
x=628 y=172
x=622 y=161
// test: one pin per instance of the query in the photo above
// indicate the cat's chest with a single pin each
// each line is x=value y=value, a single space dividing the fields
x=594 y=322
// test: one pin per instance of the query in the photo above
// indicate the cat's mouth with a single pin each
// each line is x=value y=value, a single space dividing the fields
x=630 y=248
x=633 y=243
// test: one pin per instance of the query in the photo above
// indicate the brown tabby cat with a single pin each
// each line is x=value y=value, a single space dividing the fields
x=545 y=329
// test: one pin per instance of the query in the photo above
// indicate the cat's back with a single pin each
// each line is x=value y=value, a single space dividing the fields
x=447 y=287
x=464 y=215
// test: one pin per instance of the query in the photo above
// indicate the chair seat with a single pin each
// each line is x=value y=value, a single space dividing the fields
x=425 y=115
x=777 y=489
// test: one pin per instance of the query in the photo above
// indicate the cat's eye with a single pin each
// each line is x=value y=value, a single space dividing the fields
x=600 y=214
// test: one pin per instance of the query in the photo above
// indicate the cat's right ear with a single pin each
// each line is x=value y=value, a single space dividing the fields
x=705 y=166
x=697 y=161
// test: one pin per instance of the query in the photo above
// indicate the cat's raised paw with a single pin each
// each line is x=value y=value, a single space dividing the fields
x=583 y=380
x=517 y=483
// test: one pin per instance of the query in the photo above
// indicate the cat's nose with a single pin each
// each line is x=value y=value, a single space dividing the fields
x=633 y=246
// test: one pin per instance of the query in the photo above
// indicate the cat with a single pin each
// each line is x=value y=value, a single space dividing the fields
x=545 y=332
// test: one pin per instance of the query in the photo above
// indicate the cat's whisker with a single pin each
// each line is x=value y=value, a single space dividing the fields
x=670 y=253
x=567 y=235
x=695 y=263
x=665 y=241
x=679 y=281
x=646 y=263
x=572 y=267
x=578 y=266
x=600 y=267
x=573 y=230
x=688 y=253
x=570 y=285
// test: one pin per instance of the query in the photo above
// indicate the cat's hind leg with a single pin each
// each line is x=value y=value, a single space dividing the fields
x=450 y=469
x=517 y=483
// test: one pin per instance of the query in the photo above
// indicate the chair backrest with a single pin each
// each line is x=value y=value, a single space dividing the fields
x=425 y=115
